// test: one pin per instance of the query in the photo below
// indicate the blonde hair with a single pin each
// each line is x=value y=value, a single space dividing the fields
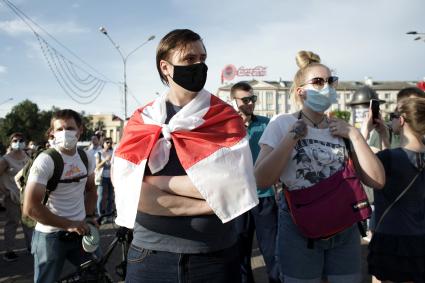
x=305 y=60
x=413 y=112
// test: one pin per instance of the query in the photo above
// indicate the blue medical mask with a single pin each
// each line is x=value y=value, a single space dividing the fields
x=17 y=145
x=320 y=100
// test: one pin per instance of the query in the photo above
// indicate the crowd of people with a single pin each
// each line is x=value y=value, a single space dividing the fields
x=195 y=177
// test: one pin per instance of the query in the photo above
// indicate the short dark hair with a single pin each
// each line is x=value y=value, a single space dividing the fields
x=16 y=134
x=240 y=86
x=177 y=38
x=410 y=91
x=65 y=114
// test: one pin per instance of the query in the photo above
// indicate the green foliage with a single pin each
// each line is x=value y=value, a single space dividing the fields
x=88 y=127
x=344 y=115
x=27 y=118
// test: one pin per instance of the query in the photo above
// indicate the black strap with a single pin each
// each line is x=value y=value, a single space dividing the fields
x=84 y=158
x=396 y=200
x=362 y=228
x=58 y=170
x=348 y=146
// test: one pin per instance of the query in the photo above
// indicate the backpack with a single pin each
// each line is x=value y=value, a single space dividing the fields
x=21 y=177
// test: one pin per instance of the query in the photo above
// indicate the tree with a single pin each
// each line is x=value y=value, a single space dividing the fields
x=88 y=127
x=344 y=115
x=24 y=118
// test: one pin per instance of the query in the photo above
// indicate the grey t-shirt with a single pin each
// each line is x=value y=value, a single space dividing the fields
x=407 y=216
x=182 y=234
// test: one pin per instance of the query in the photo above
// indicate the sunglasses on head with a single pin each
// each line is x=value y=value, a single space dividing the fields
x=320 y=82
x=248 y=99
x=19 y=140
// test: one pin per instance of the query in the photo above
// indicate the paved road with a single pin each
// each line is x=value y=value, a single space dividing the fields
x=21 y=271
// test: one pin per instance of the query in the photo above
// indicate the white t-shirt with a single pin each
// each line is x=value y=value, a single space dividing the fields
x=67 y=200
x=314 y=158
x=94 y=151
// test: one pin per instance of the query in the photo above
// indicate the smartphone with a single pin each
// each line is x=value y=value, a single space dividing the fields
x=374 y=106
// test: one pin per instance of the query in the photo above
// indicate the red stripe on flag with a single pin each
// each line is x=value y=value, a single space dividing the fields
x=223 y=127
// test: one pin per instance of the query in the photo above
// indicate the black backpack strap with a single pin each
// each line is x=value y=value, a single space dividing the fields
x=84 y=158
x=348 y=146
x=362 y=225
x=57 y=172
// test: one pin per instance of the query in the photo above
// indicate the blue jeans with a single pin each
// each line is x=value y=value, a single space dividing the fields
x=263 y=220
x=150 y=266
x=338 y=257
x=105 y=190
x=50 y=251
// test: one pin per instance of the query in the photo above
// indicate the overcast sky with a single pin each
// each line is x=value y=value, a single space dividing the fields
x=356 y=38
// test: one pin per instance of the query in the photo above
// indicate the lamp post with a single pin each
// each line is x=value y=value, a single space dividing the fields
x=124 y=58
x=420 y=35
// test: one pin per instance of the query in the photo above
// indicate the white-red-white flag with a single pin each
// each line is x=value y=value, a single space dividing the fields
x=211 y=144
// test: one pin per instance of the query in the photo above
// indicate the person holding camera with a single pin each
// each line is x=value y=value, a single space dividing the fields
x=62 y=218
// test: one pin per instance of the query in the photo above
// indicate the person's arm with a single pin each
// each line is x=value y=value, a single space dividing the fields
x=383 y=133
x=3 y=167
x=272 y=161
x=157 y=202
x=33 y=207
x=177 y=185
x=368 y=166
x=100 y=163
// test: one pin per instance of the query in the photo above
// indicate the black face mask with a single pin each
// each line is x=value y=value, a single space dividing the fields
x=191 y=77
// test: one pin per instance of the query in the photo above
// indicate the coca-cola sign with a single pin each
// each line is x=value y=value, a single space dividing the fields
x=229 y=72
x=257 y=71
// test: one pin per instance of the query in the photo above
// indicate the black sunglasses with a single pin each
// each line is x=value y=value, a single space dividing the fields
x=394 y=116
x=20 y=140
x=320 y=82
x=248 y=99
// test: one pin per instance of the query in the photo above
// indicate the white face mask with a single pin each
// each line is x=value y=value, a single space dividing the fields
x=66 y=139
x=17 y=145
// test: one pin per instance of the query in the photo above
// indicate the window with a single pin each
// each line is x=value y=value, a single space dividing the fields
x=269 y=106
x=348 y=96
x=269 y=97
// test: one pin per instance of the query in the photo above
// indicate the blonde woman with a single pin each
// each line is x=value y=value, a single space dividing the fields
x=301 y=149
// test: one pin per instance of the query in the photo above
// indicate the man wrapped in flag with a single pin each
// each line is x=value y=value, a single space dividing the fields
x=182 y=172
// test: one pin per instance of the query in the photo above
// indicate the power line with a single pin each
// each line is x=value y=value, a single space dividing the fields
x=24 y=18
x=47 y=53
x=81 y=88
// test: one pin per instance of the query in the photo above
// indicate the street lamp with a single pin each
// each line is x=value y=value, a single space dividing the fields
x=6 y=101
x=421 y=35
x=124 y=58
